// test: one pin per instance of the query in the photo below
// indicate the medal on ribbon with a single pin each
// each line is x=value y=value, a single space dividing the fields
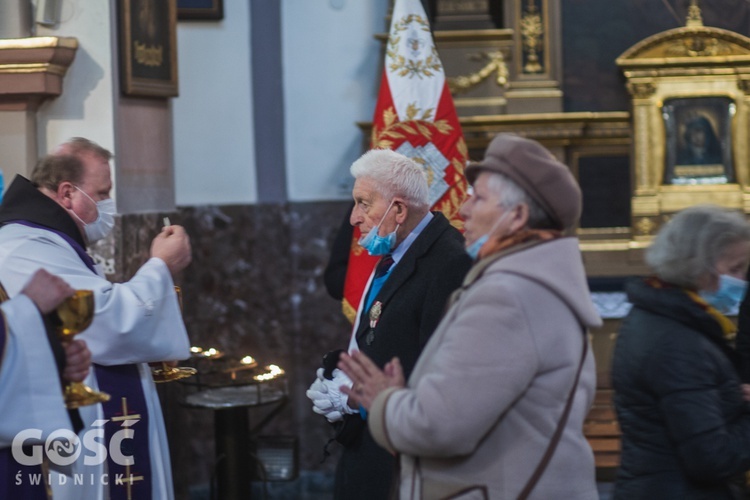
x=375 y=311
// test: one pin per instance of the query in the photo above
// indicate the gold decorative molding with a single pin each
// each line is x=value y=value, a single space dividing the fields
x=39 y=42
x=687 y=46
x=479 y=101
x=670 y=75
x=532 y=32
x=699 y=45
x=694 y=14
x=641 y=90
x=645 y=226
x=32 y=69
x=496 y=63
x=53 y=69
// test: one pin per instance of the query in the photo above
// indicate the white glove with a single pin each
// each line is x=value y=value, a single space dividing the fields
x=327 y=398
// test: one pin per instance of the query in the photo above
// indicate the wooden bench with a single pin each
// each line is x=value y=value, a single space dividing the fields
x=603 y=433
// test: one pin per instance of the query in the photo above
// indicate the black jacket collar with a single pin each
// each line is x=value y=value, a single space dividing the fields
x=23 y=201
x=672 y=302
x=408 y=263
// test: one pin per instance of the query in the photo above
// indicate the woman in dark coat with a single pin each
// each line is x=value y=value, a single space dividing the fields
x=685 y=425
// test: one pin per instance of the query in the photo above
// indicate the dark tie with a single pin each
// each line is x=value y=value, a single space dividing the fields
x=383 y=266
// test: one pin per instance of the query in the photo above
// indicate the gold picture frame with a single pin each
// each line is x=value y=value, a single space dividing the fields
x=698 y=147
x=690 y=90
x=148 y=47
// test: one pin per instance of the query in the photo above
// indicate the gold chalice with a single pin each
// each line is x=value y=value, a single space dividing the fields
x=76 y=314
x=166 y=373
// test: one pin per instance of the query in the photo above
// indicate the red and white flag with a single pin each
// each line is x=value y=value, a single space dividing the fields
x=414 y=116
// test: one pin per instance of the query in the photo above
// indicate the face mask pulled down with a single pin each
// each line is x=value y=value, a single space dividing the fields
x=105 y=219
x=474 y=248
x=376 y=244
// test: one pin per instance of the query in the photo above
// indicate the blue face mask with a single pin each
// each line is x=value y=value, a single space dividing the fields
x=474 y=248
x=376 y=244
x=729 y=295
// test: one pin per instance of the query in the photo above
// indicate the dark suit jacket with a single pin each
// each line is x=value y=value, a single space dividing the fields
x=413 y=300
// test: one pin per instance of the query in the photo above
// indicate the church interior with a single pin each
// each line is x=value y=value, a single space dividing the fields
x=244 y=123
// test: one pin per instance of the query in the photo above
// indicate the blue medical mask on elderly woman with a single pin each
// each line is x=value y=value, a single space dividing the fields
x=729 y=295
x=474 y=248
x=376 y=244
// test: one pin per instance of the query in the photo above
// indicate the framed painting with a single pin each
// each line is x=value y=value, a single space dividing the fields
x=148 y=47
x=698 y=140
x=209 y=10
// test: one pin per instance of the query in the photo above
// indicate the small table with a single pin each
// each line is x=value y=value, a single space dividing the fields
x=235 y=464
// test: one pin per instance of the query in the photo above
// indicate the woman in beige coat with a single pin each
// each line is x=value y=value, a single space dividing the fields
x=486 y=398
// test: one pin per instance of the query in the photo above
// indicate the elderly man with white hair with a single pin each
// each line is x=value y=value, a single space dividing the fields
x=422 y=262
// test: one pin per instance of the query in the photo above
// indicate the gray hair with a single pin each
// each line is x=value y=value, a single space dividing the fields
x=395 y=175
x=79 y=146
x=692 y=242
x=512 y=195
x=52 y=170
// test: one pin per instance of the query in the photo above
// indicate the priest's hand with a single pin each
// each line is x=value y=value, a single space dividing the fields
x=77 y=361
x=172 y=246
x=47 y=291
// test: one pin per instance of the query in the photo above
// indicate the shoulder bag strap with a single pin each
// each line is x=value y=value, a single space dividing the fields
x=558 y=432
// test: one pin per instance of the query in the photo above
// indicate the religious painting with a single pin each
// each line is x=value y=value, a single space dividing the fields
x=698 y=140
x=209 y=10
x=148 y=47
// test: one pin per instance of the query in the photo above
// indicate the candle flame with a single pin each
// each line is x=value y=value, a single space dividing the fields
x=272 y=372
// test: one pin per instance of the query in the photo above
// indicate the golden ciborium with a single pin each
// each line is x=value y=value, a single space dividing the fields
x=166 y=373
x=75 y=314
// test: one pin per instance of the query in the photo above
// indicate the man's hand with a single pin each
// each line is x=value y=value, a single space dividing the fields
x=172 y=246
x=47 y=291
x=77 y=361
x=327 y=398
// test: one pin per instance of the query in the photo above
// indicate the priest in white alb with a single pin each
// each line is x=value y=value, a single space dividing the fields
x=47 y=223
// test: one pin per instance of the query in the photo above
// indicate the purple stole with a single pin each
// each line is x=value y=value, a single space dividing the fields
x=21 y=481
x=128 y=402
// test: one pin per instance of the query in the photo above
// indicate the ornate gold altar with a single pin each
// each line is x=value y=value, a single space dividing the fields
x=690 y=90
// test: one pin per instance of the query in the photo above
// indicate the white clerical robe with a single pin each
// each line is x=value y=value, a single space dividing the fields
x=138 y=321
x=30 y=390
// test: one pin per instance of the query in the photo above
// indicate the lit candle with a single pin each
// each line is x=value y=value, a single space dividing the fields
x=272 y=372
x=247 y=360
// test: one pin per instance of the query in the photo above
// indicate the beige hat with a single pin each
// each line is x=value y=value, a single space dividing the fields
x=536 y=171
